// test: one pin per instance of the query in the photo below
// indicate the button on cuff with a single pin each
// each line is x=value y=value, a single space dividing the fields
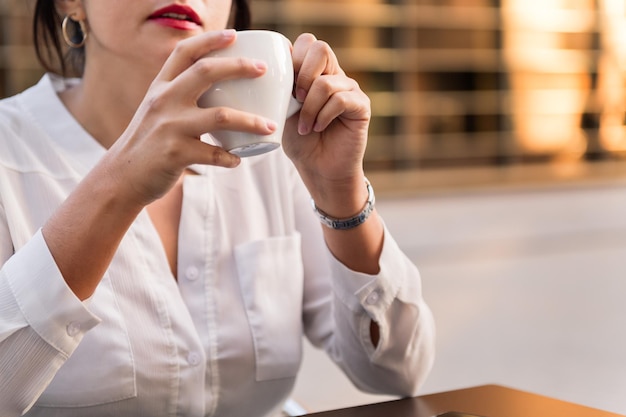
x=73 y=328
x=373 y=298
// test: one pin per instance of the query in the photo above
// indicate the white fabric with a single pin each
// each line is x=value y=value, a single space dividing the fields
x=254 y=275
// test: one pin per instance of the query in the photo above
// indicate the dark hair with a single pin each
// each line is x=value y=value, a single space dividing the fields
x=55 y=57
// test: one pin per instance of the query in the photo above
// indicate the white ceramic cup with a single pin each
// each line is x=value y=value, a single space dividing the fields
x=269 y=95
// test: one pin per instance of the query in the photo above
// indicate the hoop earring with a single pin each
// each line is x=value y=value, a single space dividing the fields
x=68 y=38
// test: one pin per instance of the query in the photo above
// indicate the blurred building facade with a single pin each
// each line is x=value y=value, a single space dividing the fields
x=452 y=82
x=18 y=65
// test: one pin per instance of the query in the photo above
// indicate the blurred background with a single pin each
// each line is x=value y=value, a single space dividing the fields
x=497 y=152
x=454 y=83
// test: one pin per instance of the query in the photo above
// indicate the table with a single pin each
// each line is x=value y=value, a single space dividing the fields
x=485 y=401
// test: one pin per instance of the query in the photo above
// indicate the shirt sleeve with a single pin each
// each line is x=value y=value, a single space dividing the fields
x=340 y=304
x=403 y=357
x=41 y=322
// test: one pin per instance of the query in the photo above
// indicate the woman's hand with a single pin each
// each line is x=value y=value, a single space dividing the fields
x=327 y=140
x=163 y=137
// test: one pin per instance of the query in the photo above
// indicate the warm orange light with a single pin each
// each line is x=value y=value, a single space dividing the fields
x=549 y=72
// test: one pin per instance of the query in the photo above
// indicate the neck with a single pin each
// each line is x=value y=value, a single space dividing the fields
x=106 y=100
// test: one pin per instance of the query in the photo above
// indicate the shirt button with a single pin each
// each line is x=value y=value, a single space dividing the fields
x=193 y=359
x=192 y=273
x=372 y=298
x=73 y=328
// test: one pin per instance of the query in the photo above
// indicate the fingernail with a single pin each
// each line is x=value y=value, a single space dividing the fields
x=318 y=128
x=300 y=94
x=303 y=129
x=235 y=161
x=228 y=33
x=260 y=65
x=271 y=125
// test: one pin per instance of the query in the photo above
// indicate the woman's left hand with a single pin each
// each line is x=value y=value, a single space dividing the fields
x=326 y=142
x=327 y=139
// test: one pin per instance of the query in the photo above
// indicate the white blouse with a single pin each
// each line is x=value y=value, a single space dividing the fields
x=254 y=276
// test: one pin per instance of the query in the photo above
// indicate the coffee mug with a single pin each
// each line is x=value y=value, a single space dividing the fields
x=269 y=95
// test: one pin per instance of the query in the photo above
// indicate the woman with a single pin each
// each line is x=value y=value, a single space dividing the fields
x=146 y=272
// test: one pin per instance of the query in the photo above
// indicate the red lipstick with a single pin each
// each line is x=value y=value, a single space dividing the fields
x=177 y=16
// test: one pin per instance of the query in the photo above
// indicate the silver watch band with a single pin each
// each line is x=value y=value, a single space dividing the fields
x=352 y=222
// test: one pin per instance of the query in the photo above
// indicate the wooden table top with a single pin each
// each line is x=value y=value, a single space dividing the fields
x=483 y=401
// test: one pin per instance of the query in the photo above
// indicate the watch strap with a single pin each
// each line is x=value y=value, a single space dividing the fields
x=351 y=222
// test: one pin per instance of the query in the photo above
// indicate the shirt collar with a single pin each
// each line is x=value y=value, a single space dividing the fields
x=46 y=109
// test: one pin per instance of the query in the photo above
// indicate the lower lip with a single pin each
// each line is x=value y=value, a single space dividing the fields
x=175 y=24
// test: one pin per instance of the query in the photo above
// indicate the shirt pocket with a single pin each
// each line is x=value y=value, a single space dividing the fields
x=101 y=369
x=271 y=278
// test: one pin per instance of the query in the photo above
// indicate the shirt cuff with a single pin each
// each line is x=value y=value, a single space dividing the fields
x=47 y=304
x=374 y=293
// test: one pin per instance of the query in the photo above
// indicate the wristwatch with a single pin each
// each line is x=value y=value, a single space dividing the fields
x=352 y=222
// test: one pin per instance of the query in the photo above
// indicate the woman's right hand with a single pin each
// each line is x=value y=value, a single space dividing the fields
x=163 y=137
